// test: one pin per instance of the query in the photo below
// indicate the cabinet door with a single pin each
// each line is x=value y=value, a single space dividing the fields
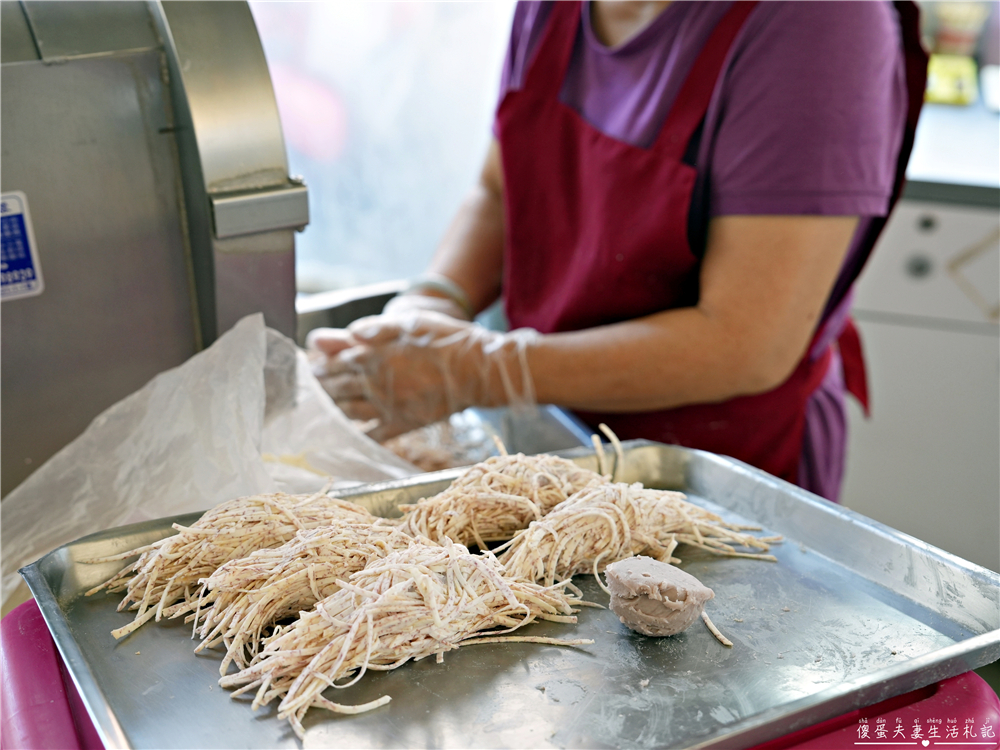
x=927 y=462
x=935 y=261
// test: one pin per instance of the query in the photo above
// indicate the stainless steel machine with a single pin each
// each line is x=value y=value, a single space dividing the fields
x=148 y=187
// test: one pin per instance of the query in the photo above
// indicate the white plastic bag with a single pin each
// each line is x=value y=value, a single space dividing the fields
x=244 y=416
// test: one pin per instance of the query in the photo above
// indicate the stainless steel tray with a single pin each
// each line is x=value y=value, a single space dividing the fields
x=852 y=613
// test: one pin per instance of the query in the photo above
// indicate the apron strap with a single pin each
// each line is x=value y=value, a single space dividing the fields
x=915 y=62
x=853 y=362
x=546 y=72
x=694 y=96
x=849 y=340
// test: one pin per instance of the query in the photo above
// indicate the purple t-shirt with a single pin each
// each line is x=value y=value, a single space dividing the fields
x=807 y=118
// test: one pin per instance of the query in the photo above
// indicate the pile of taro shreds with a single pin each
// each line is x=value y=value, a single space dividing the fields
x=245 y=597
x=495 y=499
x=417 y=602
x=166 y=579
x=309 y=592
x=604 y=523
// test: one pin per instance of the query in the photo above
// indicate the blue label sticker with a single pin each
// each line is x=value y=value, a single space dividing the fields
x=20 y=273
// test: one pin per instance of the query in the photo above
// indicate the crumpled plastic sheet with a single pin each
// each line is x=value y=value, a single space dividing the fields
x=244 y=416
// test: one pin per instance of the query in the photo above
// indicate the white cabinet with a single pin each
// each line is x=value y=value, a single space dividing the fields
x=927 y=462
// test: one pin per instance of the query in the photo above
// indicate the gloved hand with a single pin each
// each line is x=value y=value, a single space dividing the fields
x=416 y=368
x=403 y=304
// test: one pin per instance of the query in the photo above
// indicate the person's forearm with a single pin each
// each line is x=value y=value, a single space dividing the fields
x=763 y=285
x=665 y=360
x=471 y=252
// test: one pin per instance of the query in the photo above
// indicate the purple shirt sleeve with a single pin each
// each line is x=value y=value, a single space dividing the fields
x=810 y=117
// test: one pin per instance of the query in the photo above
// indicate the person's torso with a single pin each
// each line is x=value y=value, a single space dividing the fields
x=741 y=152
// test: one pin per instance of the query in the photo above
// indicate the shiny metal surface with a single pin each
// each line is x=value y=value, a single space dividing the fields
x=119 y=121
x=16 y=42
x=71 y=28
x=545 y=429
x=339 y=308
x=250 y=212
x=852 y=613
x=229 y=94
x=105 y=203
x=229 y=139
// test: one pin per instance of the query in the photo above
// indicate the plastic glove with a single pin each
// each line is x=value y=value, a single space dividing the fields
x=414 y=369
x=409 y=303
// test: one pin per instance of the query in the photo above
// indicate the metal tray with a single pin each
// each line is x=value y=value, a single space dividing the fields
x=852 y=613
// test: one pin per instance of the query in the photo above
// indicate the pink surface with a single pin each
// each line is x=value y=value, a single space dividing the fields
x=40 y=708
x=39 y=705
x=959 y=712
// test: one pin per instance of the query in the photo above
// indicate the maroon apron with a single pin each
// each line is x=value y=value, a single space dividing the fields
x=597 y=234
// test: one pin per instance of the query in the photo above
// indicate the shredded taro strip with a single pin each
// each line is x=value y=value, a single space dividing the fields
x=495 y=499
x=164 y=581
x=413 y=603
x=244 y=597
x=611 y=521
